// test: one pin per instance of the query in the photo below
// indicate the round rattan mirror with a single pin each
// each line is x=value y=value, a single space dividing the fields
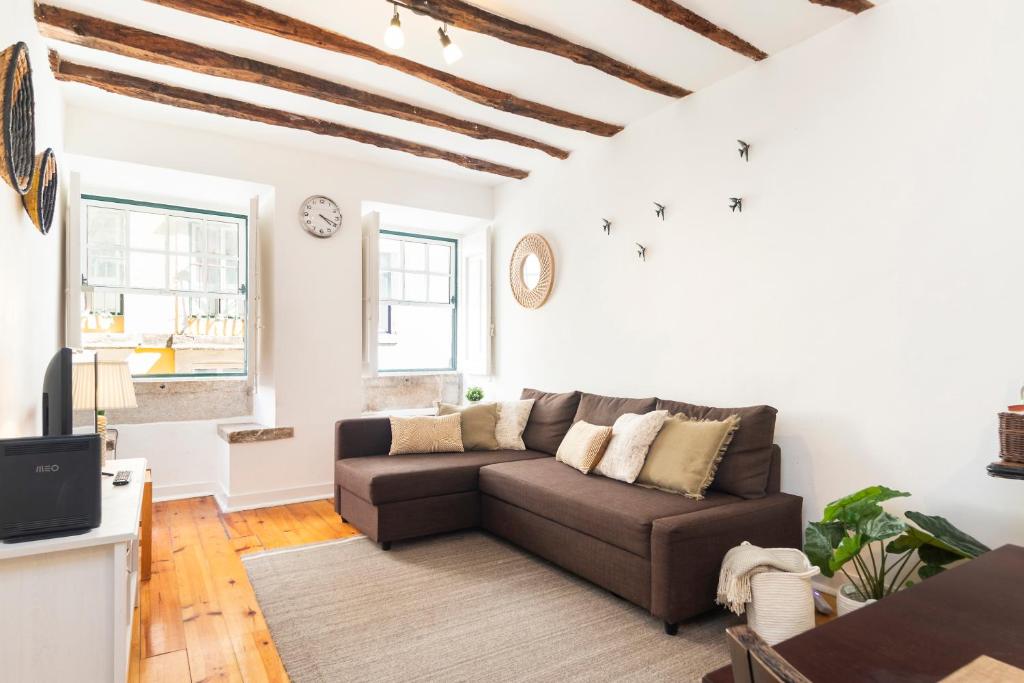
x=531 y=271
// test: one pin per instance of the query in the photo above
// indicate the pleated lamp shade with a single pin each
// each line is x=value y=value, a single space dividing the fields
x=114 y=386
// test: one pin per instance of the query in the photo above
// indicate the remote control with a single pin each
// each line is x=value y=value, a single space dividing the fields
x=122 y=478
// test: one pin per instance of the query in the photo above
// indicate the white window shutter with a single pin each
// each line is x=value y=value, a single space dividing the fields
x=371 y=282
x=475 y=303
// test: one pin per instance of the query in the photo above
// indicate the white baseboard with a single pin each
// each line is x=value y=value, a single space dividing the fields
x=179 y=491
x=262 y=499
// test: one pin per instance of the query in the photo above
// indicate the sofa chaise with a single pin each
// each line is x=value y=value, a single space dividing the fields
x=658 y=550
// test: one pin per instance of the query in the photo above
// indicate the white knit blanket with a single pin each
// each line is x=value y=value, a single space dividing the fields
x=743 y=562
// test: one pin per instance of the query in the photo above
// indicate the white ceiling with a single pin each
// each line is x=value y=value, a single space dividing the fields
x=620 y=28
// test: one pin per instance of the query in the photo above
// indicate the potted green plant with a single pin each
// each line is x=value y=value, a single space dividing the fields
x=886 y=552
x=474 y=394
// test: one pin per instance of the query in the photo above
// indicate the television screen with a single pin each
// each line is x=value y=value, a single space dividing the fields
x=57 y=415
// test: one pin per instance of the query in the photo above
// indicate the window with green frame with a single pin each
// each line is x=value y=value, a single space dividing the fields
x=418 y=303
x=166 y=287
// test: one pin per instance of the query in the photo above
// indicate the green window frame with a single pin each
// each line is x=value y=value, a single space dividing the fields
x=386 y=301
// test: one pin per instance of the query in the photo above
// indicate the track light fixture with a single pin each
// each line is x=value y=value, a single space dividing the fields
x=452 y=53
x=394 y=38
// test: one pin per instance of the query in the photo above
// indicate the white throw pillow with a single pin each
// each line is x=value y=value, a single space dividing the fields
x=632 y=436
x=512 y=418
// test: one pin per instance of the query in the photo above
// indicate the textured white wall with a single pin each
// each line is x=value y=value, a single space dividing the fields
x=312 y=287
x=870 y=288
x=31 y=280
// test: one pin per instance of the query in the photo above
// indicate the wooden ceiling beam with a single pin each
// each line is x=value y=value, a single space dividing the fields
x=698 y=24
x=473 y=18
x=855 y=6
x=257 y=18
x=79 y=29
x=152 y=91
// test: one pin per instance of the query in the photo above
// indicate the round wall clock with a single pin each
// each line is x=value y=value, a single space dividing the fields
x=320 y=216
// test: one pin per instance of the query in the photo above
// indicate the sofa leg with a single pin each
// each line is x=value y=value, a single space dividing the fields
x=385 y=545
x=671 y=629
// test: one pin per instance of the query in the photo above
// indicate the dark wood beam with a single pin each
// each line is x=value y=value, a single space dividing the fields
x=152 y=91
x=254 y=17
x=855 y=6
x=79 y=29
x=698 y=24
x=473 y=18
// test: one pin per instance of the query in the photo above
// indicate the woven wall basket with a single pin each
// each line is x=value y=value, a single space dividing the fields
x=41 y=199
x=536 y=245
x=17 y=118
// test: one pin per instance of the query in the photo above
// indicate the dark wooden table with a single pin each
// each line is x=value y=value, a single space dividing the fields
x=923 y=633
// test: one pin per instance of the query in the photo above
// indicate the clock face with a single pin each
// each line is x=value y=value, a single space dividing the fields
x=320 y=216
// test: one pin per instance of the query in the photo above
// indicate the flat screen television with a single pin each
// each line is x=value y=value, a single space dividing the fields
x=57 y=407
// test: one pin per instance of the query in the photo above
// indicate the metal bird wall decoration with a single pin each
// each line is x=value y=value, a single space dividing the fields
x=641 y=251
x=744 y=150
x=736 y=204
x=607 y=226
x=659 y=210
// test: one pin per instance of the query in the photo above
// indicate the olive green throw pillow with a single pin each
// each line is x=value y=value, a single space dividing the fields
x=478 y=424
x=685 y=455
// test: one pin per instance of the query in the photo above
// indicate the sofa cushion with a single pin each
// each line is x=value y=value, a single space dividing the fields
x=550 y=419
x=382 y=479
x=604 y=410
x=617 y=513
x=744 y=468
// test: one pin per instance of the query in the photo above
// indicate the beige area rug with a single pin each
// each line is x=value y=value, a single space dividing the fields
x=463 y=607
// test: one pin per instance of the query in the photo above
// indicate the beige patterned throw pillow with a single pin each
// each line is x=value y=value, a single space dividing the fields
x=421 y=434
x=583 y=446
x=512 y=419
x=632 y=436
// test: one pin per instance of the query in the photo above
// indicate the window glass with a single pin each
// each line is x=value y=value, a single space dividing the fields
x=416 y=326
x=165 y=287
x=415 y=256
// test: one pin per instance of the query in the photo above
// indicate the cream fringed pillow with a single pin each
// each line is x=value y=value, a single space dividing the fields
x=632 y=436
x=512 y=419
x=684 y=457
x=423 y=434
x=583 y=446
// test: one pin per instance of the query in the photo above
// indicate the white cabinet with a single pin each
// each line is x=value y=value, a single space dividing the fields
x=66 y=604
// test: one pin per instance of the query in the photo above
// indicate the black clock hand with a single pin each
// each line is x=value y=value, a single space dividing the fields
x=333 y=224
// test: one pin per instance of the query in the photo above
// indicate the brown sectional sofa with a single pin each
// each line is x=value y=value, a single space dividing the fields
x=658 y=550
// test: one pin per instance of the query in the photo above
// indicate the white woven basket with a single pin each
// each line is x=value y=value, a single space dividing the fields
x=782 y=604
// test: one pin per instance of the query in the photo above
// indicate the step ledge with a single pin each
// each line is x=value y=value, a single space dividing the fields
x=242 y=432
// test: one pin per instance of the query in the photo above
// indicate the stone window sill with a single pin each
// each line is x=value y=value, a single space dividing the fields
x=248 y=432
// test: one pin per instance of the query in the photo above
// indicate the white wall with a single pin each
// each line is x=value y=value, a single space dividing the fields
x=869 y=289
x=312 y=287
x=31 y=281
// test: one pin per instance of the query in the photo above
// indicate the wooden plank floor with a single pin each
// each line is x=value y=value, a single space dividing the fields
x=197 y=618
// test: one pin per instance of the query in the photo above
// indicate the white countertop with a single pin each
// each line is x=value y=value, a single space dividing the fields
x=121 y=508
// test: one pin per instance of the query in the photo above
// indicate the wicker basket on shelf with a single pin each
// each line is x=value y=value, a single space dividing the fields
x=1011 y=437
x=17 y=118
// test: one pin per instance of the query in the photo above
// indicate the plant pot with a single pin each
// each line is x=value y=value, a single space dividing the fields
x=848 y=599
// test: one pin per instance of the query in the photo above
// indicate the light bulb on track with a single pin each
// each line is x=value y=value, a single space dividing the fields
x=394 y=38
x=451 y=52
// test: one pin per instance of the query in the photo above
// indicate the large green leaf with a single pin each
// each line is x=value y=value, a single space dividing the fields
x=912 y=539
x=872 y=494
x=948 y=536
x=881 y=527
x=848 y=548
x=930 y=570
x=820 y=539
x=936 y=556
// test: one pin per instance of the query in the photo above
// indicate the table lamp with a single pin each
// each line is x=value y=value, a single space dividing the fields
x=101 y=385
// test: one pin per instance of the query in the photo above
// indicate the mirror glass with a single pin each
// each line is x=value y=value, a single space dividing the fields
x=531 y=271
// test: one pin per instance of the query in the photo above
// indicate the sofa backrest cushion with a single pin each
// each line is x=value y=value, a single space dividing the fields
x=605 y=410
x=550 y=419
x=745 y=467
